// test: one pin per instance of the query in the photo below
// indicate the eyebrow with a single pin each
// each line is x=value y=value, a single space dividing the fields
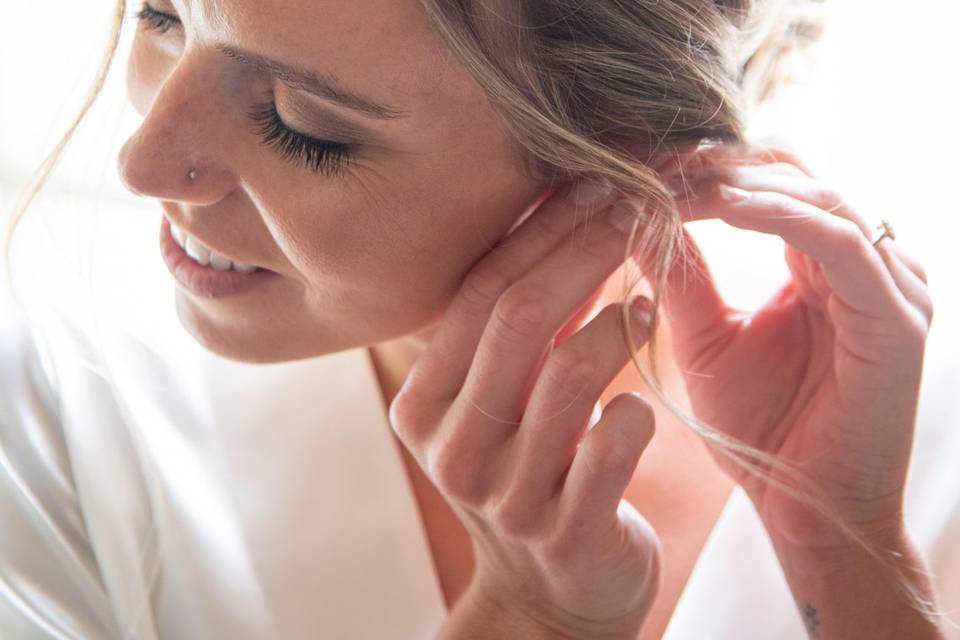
x=325 y=87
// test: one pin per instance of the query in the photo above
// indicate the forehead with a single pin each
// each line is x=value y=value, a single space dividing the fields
x=383 y=48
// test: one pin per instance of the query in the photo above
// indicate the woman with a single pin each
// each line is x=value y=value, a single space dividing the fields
x=429 y=215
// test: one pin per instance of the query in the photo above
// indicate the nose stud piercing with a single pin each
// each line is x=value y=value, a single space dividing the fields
x=192 y=174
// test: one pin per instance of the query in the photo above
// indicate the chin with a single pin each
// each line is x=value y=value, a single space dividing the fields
x=247 y=343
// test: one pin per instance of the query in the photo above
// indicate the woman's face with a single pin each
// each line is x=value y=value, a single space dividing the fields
x=363 y=253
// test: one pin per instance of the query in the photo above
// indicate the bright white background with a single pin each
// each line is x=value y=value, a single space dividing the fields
x=877 y=119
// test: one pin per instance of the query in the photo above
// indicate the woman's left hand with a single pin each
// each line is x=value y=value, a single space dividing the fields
x=826 y=374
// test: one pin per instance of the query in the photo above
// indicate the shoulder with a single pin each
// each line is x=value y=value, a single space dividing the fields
x=25 y=388
x=54 y=580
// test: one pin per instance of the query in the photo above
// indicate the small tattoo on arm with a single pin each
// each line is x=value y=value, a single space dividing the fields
x=811 y=621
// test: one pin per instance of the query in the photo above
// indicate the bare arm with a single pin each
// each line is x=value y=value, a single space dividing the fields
x=845 y=594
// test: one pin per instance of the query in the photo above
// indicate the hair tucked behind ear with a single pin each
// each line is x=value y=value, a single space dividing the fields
x=603 y=89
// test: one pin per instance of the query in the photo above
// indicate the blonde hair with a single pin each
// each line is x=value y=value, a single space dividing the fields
x=598 y=90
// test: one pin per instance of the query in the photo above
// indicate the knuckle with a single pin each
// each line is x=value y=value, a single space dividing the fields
x=485 y=283
x=569 y=372
x=551 y=226
x=924 y=305
x=849 y=238
x=729 y=174
x=653 y=554
x=448 y=470
x=404 y=417
x=520 y=314
x=411 y=415
x=793 y=207
x=591 y=245
x=917 y=328
x=828 y=197
x=515 y=520
x=563 y=548
x=789 y=168
x=927 y=302
x=611 y=456
x=784 y=151
x=911 y=262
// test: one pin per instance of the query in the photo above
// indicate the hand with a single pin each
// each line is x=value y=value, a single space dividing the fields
x=827 y=373
x=494 y=411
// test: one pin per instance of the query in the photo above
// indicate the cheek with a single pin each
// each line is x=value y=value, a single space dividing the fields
x=381 y=262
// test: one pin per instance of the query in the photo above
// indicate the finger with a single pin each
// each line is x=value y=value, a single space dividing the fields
x=605 y=463
x=526 y=319
x=576 y=322
x=911 y=286
x=807 y=278
x=683 y=170
x=912 y=263
x=826 y=198
x=691 y=301
x=778 y=149
x=564 y=398
x=855 y=271
x=443 y=366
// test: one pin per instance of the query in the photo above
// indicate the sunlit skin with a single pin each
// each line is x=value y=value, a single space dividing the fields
x=374 y=256
x=366 y=256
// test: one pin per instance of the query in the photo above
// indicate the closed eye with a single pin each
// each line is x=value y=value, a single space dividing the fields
x=320 y=156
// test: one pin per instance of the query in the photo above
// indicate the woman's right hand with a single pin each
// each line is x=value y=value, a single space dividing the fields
x=494 y=412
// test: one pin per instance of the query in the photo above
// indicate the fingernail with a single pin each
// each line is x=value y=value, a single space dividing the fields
x=641 y=310
x=586 y=193
x=626 y=212
x=732 y=194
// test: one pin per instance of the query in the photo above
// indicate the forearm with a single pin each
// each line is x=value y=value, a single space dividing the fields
x=846 y=594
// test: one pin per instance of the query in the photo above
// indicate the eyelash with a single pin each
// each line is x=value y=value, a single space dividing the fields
x=320 y=156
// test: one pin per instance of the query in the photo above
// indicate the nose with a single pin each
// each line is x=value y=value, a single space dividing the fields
x=181 y=151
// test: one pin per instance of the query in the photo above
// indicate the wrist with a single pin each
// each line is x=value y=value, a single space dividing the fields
x=843 y=591
x=842 y=554
x=480 y=615
x=802 y=531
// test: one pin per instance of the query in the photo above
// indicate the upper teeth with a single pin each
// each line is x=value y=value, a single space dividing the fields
x=205 y=256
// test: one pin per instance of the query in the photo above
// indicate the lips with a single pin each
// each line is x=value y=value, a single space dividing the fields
x=204 y=255
x=205 y=281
